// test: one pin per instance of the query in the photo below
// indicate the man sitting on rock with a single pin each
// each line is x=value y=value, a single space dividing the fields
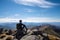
x=21 y=30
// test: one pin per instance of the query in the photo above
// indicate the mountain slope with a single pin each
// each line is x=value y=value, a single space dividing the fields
x=48 y=29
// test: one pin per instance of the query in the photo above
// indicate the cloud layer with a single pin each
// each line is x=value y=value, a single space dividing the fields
x=29 y=20
x=39 y=3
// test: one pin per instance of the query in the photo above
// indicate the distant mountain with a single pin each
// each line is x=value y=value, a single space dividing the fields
x=13 y=25
x=29 y=24
x=8 y=25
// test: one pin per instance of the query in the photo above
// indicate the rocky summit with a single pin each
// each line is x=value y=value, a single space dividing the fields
x=45 y=32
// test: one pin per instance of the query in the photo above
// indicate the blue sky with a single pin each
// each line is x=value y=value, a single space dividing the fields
x=30 y=10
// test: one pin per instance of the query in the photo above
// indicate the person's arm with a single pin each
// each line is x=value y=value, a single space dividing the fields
x=25 y=27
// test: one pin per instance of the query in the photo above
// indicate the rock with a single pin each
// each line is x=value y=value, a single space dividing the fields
x=30 y=37
x=2 y=36
x=1 y=30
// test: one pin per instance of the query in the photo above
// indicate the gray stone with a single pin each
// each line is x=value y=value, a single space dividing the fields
x=30 y=37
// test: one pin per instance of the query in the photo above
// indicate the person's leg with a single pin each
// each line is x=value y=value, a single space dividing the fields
x=19 y=35
x=18 y=39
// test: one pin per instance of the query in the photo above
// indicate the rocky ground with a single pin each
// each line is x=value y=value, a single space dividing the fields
x=40 y=33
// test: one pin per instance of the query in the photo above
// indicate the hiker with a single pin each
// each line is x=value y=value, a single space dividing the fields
x=21 y=30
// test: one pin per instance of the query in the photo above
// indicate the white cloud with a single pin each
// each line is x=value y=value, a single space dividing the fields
x=16 y=15
x=28 y=10
x=29 y=20
x=39 y=3
x=2 y=20
x=41 y=19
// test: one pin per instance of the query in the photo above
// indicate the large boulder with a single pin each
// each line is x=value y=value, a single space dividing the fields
x=30 y=37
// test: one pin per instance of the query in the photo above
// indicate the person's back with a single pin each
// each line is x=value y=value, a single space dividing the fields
x=20 y=30
x=19 y=26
